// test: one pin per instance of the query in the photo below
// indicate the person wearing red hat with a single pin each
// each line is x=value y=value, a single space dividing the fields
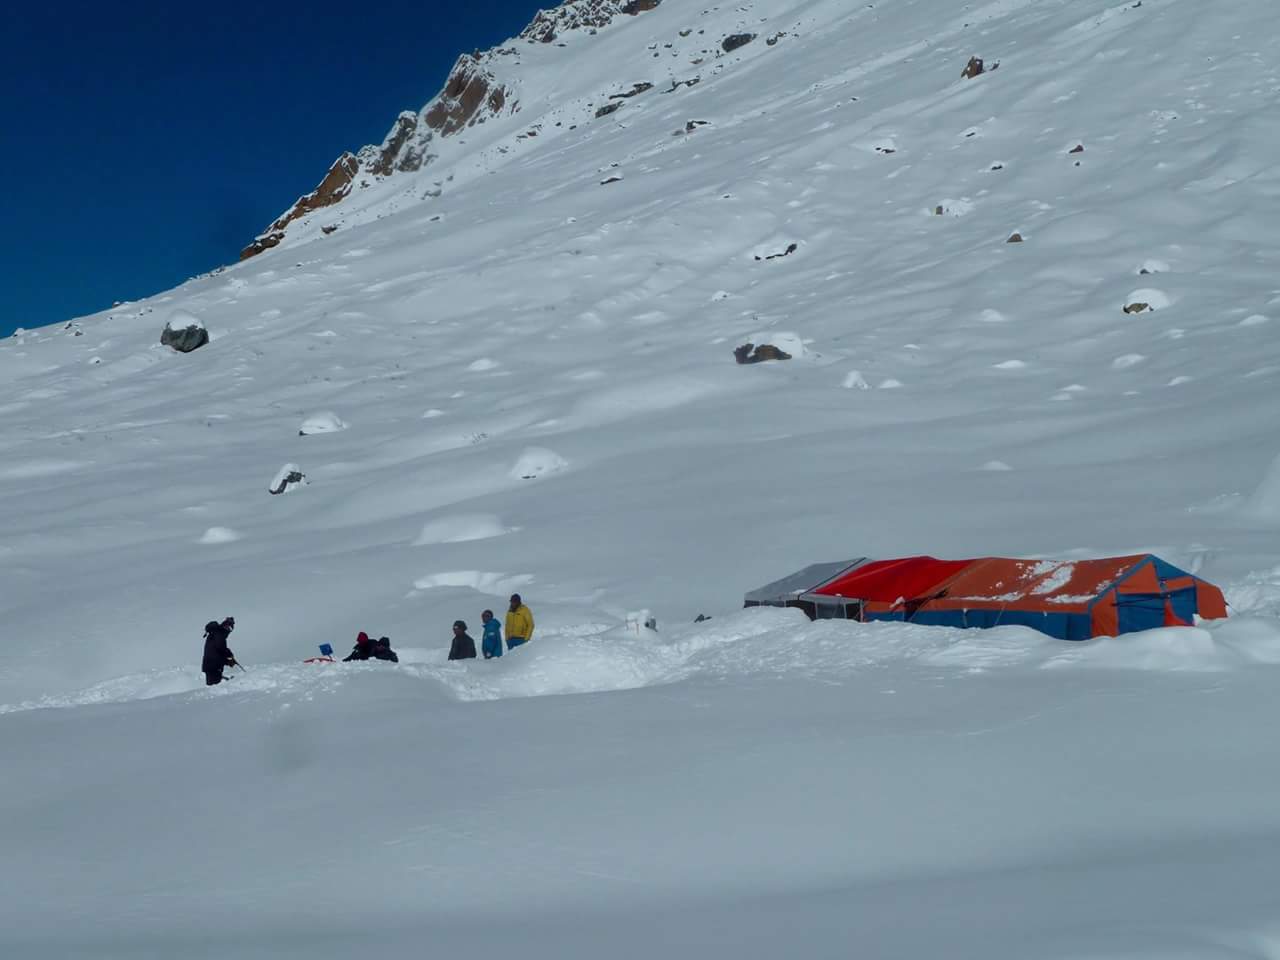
x=363 y=649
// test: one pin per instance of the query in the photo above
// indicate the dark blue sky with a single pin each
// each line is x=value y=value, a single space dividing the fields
x=148 y=142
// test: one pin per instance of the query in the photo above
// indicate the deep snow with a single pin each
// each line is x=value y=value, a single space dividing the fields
x=527 y=383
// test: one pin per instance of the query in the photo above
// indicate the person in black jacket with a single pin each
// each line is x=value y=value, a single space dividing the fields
x=366 y=649
x=464 y=648
x=363 y=649
x=217 y=655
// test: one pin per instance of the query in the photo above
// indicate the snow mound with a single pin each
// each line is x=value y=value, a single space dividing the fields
x=461 y=528
x=219 y=535
x=323 y=422
x=498 y=584
x=538 y=462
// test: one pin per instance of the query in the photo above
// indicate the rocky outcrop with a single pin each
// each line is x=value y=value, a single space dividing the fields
x=469 y=88
x=333 y=188
x=473 y=94
x=581 y=14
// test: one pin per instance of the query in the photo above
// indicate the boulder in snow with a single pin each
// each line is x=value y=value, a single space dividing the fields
x=184 y=332
x=974 y=68
x=753 y=353
x=287 y=478
x=323 y=422
x=736 y=40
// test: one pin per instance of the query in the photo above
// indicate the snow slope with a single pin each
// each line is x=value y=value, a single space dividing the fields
x=527 y=383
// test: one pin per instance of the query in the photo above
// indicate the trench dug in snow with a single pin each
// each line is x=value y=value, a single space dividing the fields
x=762 y=643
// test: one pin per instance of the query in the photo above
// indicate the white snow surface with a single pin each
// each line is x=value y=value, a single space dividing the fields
x=754 y=785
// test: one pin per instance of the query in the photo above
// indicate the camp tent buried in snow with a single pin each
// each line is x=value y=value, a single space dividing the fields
x=1071 y=600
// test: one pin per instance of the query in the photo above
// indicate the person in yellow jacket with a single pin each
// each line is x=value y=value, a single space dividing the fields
x=519 y=625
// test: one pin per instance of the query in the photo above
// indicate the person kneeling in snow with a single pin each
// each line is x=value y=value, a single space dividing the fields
x=463 y=648
x=366 y=649
x=363 y=649
x=217 y=654
x=491 y=642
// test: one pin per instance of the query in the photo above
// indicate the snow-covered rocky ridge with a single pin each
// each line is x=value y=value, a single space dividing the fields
x=527 y=383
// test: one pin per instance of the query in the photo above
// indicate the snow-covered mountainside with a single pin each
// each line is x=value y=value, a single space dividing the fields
x=507 y=363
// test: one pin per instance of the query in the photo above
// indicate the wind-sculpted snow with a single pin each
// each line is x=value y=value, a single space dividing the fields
x=524 y=355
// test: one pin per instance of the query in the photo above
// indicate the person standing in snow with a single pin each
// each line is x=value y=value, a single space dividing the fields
x=217 y=655
x=491 y=642
x=463 y=648
x=519 y=623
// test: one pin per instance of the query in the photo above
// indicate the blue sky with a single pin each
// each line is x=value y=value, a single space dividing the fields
x=148 y=142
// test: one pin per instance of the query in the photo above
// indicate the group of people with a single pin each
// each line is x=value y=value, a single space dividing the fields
x=518 y=629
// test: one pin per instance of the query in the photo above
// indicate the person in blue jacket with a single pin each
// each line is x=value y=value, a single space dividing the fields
x=491 y=643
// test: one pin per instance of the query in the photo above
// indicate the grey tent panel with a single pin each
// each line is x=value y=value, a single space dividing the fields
x=801 y=582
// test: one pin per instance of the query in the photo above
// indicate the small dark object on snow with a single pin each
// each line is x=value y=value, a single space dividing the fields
x=1014 y=238
x=293 y=476
x=791 y=248
x=701 y=618
x=1136 y=307
x=186 y=339
x=607 y=109
x=734 y=41
x=974 y=68
x=1078 y=148
x=762 y=353
x=605 y=183
x=636 y=90
x=771 y=41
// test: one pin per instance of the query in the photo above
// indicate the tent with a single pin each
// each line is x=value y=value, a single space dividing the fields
x=798 y=590
x=1071 y=600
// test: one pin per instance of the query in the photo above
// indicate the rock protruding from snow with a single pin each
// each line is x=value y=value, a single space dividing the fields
x=287 y=478
x=184 y=332
x=325 y=421
x=537 y=462
x=759 y=353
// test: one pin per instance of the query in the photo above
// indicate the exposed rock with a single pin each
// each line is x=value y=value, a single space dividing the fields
x=333 y=188
x=791 y=248
x=184 y=333
x=750 y=353
x=581 y=14
x=1136 y=307
x=636 y=90
x=287 y=478
x=974 y=68
x=772 y=41
x=470 y=86
x=1014 y=238
x=605 y=183
x=328 y=228
x=736 y=40
x=607 y=109
x=1078 y=148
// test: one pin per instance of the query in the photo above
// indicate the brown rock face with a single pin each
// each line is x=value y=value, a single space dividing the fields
x=470 y=86
x=333 y=188
x=577 y=14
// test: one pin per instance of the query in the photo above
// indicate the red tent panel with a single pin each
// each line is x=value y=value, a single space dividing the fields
x=887 y=581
